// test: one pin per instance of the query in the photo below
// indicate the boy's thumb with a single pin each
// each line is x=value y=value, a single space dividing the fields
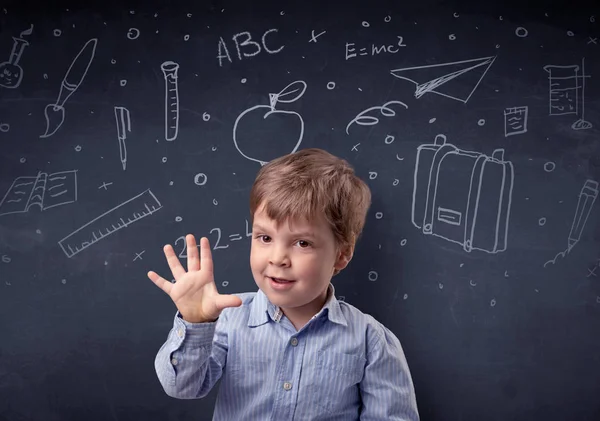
x=224 y=301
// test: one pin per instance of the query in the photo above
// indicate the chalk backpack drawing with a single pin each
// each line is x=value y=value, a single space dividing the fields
x=463 y=196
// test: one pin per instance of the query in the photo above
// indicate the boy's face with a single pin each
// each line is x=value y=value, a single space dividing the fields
x=302 y=253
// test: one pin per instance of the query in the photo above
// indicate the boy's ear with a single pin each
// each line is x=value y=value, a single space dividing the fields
x=343 y=258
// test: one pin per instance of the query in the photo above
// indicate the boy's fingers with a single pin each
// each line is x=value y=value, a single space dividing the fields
x=193 y=263
x=206 y=262
x=160 y=282
x=176 y=269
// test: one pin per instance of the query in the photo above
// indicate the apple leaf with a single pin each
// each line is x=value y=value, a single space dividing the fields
x=290 y=92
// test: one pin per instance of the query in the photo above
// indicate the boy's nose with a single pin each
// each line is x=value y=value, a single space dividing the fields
x=279 y=257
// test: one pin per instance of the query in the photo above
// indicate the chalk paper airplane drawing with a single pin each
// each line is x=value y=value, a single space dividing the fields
x=119 y=217
x=564 y=89
x=43 y=190
x=462 y=196
x=271 y=122
x=55 y=113
x=587 y=198
x=457 y=80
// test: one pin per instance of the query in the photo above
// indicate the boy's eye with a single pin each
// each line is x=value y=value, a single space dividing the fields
x=264 y=238
x=303 y=243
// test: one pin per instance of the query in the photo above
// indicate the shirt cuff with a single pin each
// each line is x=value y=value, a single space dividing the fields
x=195 y=334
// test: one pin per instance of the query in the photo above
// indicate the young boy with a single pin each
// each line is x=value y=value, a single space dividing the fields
x=290 y=351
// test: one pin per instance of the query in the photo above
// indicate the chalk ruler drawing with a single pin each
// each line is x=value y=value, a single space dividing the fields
x=362 y=119
x=437 y=78
x=170 y=69
x=119 y=217
x=43 y=190
x=123 y=126
x=11 y=73
x=55 y=113
x=587 y=198
x=564 y=90
x=287 y=95
x=462 y=196
x=515 y=120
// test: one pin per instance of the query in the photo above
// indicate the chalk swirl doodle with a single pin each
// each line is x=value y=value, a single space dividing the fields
x=368 y=120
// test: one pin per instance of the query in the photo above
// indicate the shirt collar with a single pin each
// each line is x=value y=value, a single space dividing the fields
x=261 y=309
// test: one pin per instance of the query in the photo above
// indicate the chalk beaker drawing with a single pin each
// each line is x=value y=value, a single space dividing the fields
x=11 y=73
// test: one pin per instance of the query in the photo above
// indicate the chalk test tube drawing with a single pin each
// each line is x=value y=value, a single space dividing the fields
x=119 y=217
x=55 y=113
x=11 y=73
x=587 y=198
x=123 y=126
x=170 y=69
x=43 y=190
x=362 y=119
x=515 y=120
x=462 y=196
x=288 y=126
x=564 y=90
x=467 y=76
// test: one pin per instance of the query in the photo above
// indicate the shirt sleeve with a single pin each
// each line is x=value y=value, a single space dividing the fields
x=192 y=359
x=387 y=389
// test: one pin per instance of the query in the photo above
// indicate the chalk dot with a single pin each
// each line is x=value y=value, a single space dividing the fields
x=497 y=45
x=64 y=281
x=403 y=242
x=598 y=299
x=22 y=160
x=122 y=82
x=225 y=283
x=432 y=120
x=493 y=302
x=186 y=37
x=200 y=179
x=542 y=221
x=501 y=18
x=282 y=13
x=164 y=159
x=481 y=122
x=373 y=276
x=389 y=139
x=405 y=296
x=113 y=61
x=4 y=127
x=521 y=32
x=387 y=19
x=215 y=202
x=379 y=215
x=78 y=148
x=132 y=12
x=57 y=32
x=570 y=33
x=330 y=85
x=592 y=19
x=440 y=285
x=189 y=15
x=396 y=182
x=170 y=183
x=461 y=265
x=244 y=80
x=365 y=24
x=372 y=175
x=452 y=37
x=456 y=14
x=206 y=116
x=549 y=166
x=472 y=283
x=46 y=76
x=214 y=148
x=178 y=219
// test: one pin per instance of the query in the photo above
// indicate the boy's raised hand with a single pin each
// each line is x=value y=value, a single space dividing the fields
x=194 y=292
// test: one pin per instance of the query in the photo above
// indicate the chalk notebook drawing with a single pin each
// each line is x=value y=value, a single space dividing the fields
x=45 y=191
x=463 y=196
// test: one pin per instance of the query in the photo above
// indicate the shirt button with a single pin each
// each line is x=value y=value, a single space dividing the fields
x=294 y=341
x=287 y=385
x=180 y=332
x=174 y=361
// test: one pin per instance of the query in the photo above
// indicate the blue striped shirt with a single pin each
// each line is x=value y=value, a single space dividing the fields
x=342 y=365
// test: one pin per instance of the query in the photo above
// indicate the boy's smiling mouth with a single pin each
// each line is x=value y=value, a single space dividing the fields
x=280 y=280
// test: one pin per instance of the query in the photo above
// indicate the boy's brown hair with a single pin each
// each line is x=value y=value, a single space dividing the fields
x=309 y=182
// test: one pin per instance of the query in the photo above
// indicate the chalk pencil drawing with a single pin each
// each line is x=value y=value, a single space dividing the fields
x=170 y=70
x=55 y=113
x=363 y=119
x=271 y=120
x=462 y=196
x=43 y=190
x=515 y=120
x=123 y=126
x=437 y=78
x=119 y=217
x=587 y=197
x=564 y=92
x=11 y=73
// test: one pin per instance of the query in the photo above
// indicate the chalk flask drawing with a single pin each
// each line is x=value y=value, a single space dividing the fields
x=261 y=113
x=463 y=196
x=11 y=73
x=55 y=113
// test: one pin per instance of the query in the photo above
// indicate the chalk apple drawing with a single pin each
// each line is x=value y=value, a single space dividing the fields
x=272 y=123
